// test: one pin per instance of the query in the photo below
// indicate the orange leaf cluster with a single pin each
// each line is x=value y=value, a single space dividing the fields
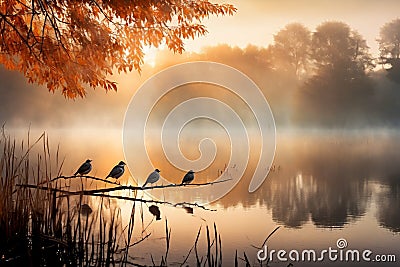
x=71 y=44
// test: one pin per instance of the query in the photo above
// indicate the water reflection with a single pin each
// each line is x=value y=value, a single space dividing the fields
x=155 y=211
x=389 y=204
x=328 y=179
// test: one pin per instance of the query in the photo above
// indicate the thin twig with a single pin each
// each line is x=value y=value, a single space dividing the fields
x=83 y=176
x=100 y=193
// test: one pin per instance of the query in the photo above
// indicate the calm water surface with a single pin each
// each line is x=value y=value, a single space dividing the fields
x=323 y=185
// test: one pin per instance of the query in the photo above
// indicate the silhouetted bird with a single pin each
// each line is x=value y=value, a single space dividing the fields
x=153 y=177
x=155 y=211
x=117 y=171
x=188 y=178
x=85 y=168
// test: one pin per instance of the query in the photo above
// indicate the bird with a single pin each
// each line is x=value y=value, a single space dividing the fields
x=188 y=178
x=117 y=171
x=85 y=168
x=153 y=177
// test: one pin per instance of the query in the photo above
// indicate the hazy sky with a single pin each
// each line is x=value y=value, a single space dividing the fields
x=256 y=21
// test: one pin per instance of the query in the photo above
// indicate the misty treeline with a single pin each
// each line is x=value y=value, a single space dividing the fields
x=323 y=77
x=311 y=77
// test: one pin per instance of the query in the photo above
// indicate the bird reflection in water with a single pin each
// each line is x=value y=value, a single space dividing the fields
x=188 y=209
x=155 y=211
x=86 y=210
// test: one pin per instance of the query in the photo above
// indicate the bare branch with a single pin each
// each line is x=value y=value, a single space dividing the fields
x=101 y=193
x=81 y=176
x=106 y=190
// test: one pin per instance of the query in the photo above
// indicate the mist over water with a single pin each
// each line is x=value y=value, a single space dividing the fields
x=345 y=182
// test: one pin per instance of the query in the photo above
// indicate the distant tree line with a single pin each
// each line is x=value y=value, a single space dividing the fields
x=327 y=77
x=333 y=66
x=334 y=49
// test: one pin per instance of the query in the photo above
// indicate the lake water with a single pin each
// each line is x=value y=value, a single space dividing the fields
x=323 y=185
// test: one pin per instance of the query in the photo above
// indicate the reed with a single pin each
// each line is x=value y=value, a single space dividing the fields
x=37 y=227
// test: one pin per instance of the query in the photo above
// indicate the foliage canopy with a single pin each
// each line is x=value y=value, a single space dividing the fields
x=389 y=41
x=389 y=46
x=70 y=44
x=336 y=48
x=292 y=45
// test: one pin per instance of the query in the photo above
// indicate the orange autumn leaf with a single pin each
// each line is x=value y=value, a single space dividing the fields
x=69 y=45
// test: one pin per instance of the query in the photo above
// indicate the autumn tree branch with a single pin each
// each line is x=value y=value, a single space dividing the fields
x=72 y=45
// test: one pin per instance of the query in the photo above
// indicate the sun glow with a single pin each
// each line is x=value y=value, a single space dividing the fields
x=150 y=55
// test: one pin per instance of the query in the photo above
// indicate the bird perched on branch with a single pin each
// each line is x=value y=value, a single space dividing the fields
x=153 y=177
x=188 y=178
x=85 y=168
x=117 y=171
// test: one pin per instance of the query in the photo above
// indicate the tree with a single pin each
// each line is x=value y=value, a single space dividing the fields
x=70 y=44
x=338 y=50
x=389 y=46
x=389 y=41
x=291 y=48
x=340 y=90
